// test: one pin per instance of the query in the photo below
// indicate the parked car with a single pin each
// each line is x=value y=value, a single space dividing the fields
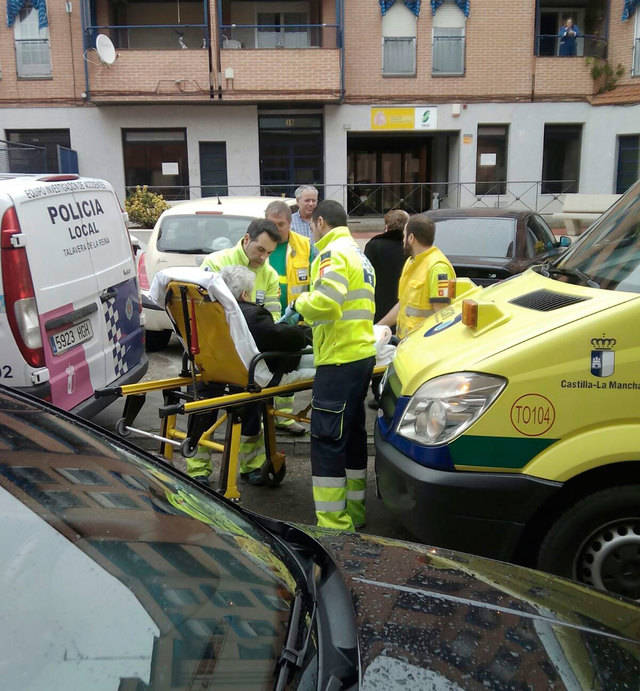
x=489 y=245
x=70 y=298
x=120 y=572
x=183 y=236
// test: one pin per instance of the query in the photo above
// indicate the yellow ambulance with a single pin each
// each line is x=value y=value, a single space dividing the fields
x=510 y=421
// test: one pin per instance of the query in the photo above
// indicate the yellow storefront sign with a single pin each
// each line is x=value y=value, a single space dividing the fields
x=392 y=118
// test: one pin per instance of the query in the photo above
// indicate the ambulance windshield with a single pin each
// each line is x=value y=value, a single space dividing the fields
x=609 y=252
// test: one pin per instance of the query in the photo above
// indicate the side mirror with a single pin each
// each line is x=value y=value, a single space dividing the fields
x=565 y=241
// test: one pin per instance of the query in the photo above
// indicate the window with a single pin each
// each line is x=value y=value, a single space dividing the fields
x=398 y=56
x=491 y=159
x=33 y=54
x=539 y=238
x=561 y=158
x=44 y=158
x=399 y=42
x=283 y=30
x=157 y=158
x=628 y=162
x=448 y=40
x=635 y=69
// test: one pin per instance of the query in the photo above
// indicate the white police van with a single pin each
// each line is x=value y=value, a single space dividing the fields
x=70 y=304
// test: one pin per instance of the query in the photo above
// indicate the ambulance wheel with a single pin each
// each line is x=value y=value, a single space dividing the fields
x=271 y=477
x=157 y=340
x=597 y=542
x=121 y=428
x=187 y=450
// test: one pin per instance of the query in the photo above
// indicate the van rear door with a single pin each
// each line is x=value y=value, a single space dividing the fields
x=76 y=242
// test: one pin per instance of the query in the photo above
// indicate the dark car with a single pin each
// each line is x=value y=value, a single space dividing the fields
x=119 y=572
x=488 y=245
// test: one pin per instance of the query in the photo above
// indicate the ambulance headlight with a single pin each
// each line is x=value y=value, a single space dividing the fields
x=441 y=409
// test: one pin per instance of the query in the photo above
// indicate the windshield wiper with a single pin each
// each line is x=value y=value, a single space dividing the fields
x=292 y=657
x=549 y=270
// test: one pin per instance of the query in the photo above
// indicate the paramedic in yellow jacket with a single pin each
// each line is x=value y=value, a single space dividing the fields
x=253 y=251
x=424 y=284
x=340 y=309
x=292 y=260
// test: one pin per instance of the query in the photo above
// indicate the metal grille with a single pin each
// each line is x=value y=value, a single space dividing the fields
x=22 y=158
x=546 y=300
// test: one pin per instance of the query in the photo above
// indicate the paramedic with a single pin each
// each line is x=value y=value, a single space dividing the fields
x=340 y=309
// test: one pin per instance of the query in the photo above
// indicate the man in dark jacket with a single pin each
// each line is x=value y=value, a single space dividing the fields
x=385 y=252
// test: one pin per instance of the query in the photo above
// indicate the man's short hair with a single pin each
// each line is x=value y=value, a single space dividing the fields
x=396 y=219
x=278 y=208
x=263 y=225
x=238 y=279
x=423 y=229
x=333 y=213
x=304 y=188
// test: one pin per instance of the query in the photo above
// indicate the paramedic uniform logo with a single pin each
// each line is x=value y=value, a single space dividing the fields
x=603 y=358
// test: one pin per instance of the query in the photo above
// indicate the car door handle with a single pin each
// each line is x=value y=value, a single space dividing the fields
x=108 y=294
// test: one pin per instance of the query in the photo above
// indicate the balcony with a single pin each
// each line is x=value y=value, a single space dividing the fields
x=180 y=58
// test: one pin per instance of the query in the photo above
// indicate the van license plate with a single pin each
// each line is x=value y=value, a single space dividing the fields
x=71 y=337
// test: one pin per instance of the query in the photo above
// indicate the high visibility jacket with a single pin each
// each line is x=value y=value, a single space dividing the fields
x=423 y=288
x=266 y=290
x=340 y=305
x=298 y=265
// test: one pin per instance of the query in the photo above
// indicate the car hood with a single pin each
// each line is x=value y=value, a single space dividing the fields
x=433 y=618
x=511 y=313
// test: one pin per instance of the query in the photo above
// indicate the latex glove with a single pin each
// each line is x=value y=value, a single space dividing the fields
x=290 y=315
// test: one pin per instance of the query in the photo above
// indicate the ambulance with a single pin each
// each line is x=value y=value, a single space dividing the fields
x=510 y=421
x=70 y=304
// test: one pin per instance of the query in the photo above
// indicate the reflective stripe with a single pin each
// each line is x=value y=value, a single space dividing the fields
x=322 y=321
x=328 y=481
x=295 y=290
x=361 y=294
x=246 y=456
x=356 y=474
x=415 y=312
x=333 y=276
x=273 y=306
x=331 y=292
x=330 y=505
x=355 y=494
x=351 y=315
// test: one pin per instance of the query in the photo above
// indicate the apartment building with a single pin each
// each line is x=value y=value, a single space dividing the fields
x=380 y=103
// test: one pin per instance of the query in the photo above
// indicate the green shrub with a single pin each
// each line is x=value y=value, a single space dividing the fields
x=145 y=207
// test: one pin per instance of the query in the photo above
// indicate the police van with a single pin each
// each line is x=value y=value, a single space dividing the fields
x=510 y=421
x=70 y=297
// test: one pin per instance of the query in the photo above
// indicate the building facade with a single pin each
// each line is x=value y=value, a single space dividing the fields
x=379 y=103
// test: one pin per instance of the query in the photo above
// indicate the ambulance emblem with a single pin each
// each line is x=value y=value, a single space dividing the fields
x=603 y=358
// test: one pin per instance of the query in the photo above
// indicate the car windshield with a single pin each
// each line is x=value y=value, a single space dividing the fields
x=476 y=236
x=609 y=253
x=200 y=233
x=117 y=573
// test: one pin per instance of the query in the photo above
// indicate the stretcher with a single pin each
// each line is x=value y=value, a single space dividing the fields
x=218 y=350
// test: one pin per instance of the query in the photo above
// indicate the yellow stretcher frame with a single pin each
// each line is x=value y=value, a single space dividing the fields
x=209 y=352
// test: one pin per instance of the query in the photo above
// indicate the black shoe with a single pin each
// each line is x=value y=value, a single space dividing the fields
x=373 y=404
x=253 y=478
x=201 y=480
x=295 y=429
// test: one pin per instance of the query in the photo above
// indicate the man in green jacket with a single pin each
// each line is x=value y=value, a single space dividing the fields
x=340 y=308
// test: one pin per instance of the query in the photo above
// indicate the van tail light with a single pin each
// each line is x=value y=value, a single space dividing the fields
x=143 y=279
x=19 y=296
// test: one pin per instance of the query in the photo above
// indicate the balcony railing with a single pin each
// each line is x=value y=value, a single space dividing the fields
x=289 y=36
x=152 y=36
x=588 y=46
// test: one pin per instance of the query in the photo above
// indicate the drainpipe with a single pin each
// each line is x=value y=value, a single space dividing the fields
x=83 y=16
x=205 y=8
x=218 y=58
x=340 y=16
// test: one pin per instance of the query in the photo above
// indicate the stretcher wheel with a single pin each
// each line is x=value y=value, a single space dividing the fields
x=271 y=477
x=121 y=428
x=187 y=450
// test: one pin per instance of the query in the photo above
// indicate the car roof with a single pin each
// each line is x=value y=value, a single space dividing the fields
x=443 y=214
x=242 y=206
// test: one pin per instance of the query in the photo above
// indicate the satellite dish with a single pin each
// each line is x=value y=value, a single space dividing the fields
x=105 y=49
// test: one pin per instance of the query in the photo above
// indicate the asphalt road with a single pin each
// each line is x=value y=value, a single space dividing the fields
x=292 y=499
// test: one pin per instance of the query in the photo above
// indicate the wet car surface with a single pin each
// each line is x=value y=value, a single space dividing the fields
x=120 y=572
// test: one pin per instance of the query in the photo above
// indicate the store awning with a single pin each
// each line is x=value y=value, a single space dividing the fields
x=462 y=4
x=413 y=5
x=14 y=7
x=629 y=8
